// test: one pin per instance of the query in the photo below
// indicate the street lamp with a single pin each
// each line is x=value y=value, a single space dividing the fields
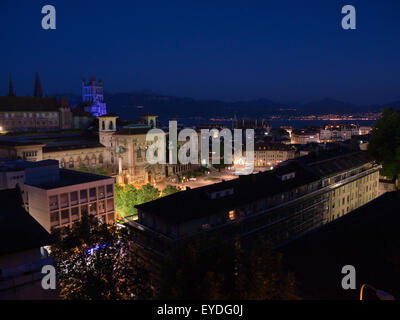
x=382 y=295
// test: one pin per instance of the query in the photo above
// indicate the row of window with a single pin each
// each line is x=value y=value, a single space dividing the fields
x=31 y=115
x=31 y=123
x=75 y=213
x=67 y=216
x=29 y=154
x=83 y=196
x=77 y=163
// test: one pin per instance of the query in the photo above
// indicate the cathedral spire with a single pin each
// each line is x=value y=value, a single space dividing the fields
x=38 y=87
x=10 y=88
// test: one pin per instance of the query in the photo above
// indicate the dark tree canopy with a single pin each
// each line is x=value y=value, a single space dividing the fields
x=95 y=262
x=384 y=143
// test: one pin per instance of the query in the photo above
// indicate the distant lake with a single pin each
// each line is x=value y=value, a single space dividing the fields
x=298 y=124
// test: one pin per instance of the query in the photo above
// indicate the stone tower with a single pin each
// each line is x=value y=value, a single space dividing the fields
x=92 y=95
x=107 y=127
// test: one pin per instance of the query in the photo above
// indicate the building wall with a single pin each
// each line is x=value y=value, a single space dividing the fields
x=353 y=194
x=134 y=166
x=36 y=203
x=73 y=159
x=10 y=179
x=24 y=121
x=63 y=206
x=270 y=158
x=304 y=138
x=28 y=152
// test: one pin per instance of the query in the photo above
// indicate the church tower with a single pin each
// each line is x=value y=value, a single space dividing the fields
x=37 y=92
x=107 y=127
x=92 y=95
x=11 y=88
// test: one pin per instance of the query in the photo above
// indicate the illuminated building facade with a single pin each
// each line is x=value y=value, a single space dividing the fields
x=271 y=154
x=304 y=136
x=59 y=197
x=34 y=113
x=92 y=96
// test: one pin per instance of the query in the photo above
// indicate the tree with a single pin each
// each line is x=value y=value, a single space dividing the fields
x=384 y=144
x=127 y=197
x=208 y=268
x=95 y=262
x=147 y=193
x=169 y=190
x=125 y=200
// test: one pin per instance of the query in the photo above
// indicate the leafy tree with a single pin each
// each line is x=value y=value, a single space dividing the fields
x=127 y=196
x=125 y=199
x=169 y=190
x=147 y=193
x=384 y=143
x=95 y=262
x=207 y=268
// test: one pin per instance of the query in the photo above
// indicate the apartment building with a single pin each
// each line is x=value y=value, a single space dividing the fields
x=338 y=132
x=271 y=154
x=304 y=136
x=281 y=204
x=58 y=197
x=62 y=202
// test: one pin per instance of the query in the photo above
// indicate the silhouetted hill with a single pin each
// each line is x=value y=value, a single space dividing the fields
x=130 y=105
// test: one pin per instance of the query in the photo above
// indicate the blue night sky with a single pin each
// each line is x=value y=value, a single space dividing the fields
x=281 y=50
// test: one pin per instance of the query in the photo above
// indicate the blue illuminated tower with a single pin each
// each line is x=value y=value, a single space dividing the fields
x=92 y=95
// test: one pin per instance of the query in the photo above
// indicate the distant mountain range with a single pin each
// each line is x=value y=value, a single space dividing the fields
x=129 y=105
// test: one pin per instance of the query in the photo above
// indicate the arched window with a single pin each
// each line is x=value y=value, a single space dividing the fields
x=101 y=158
x=111 y=126
x=93 y=161
x=103 y=125
x=71 y=163
x=62 y=163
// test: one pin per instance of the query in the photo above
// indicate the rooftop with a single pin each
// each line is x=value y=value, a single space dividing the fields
x=19 y=231
x=13 y=165
x=196 y=203
x=71 y=146
x=133 y=131
x=17 y=104
x=69 y=178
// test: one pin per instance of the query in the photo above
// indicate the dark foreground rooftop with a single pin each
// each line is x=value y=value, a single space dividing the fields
x=19 y=231
x=367 y=238
x=196 y=203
